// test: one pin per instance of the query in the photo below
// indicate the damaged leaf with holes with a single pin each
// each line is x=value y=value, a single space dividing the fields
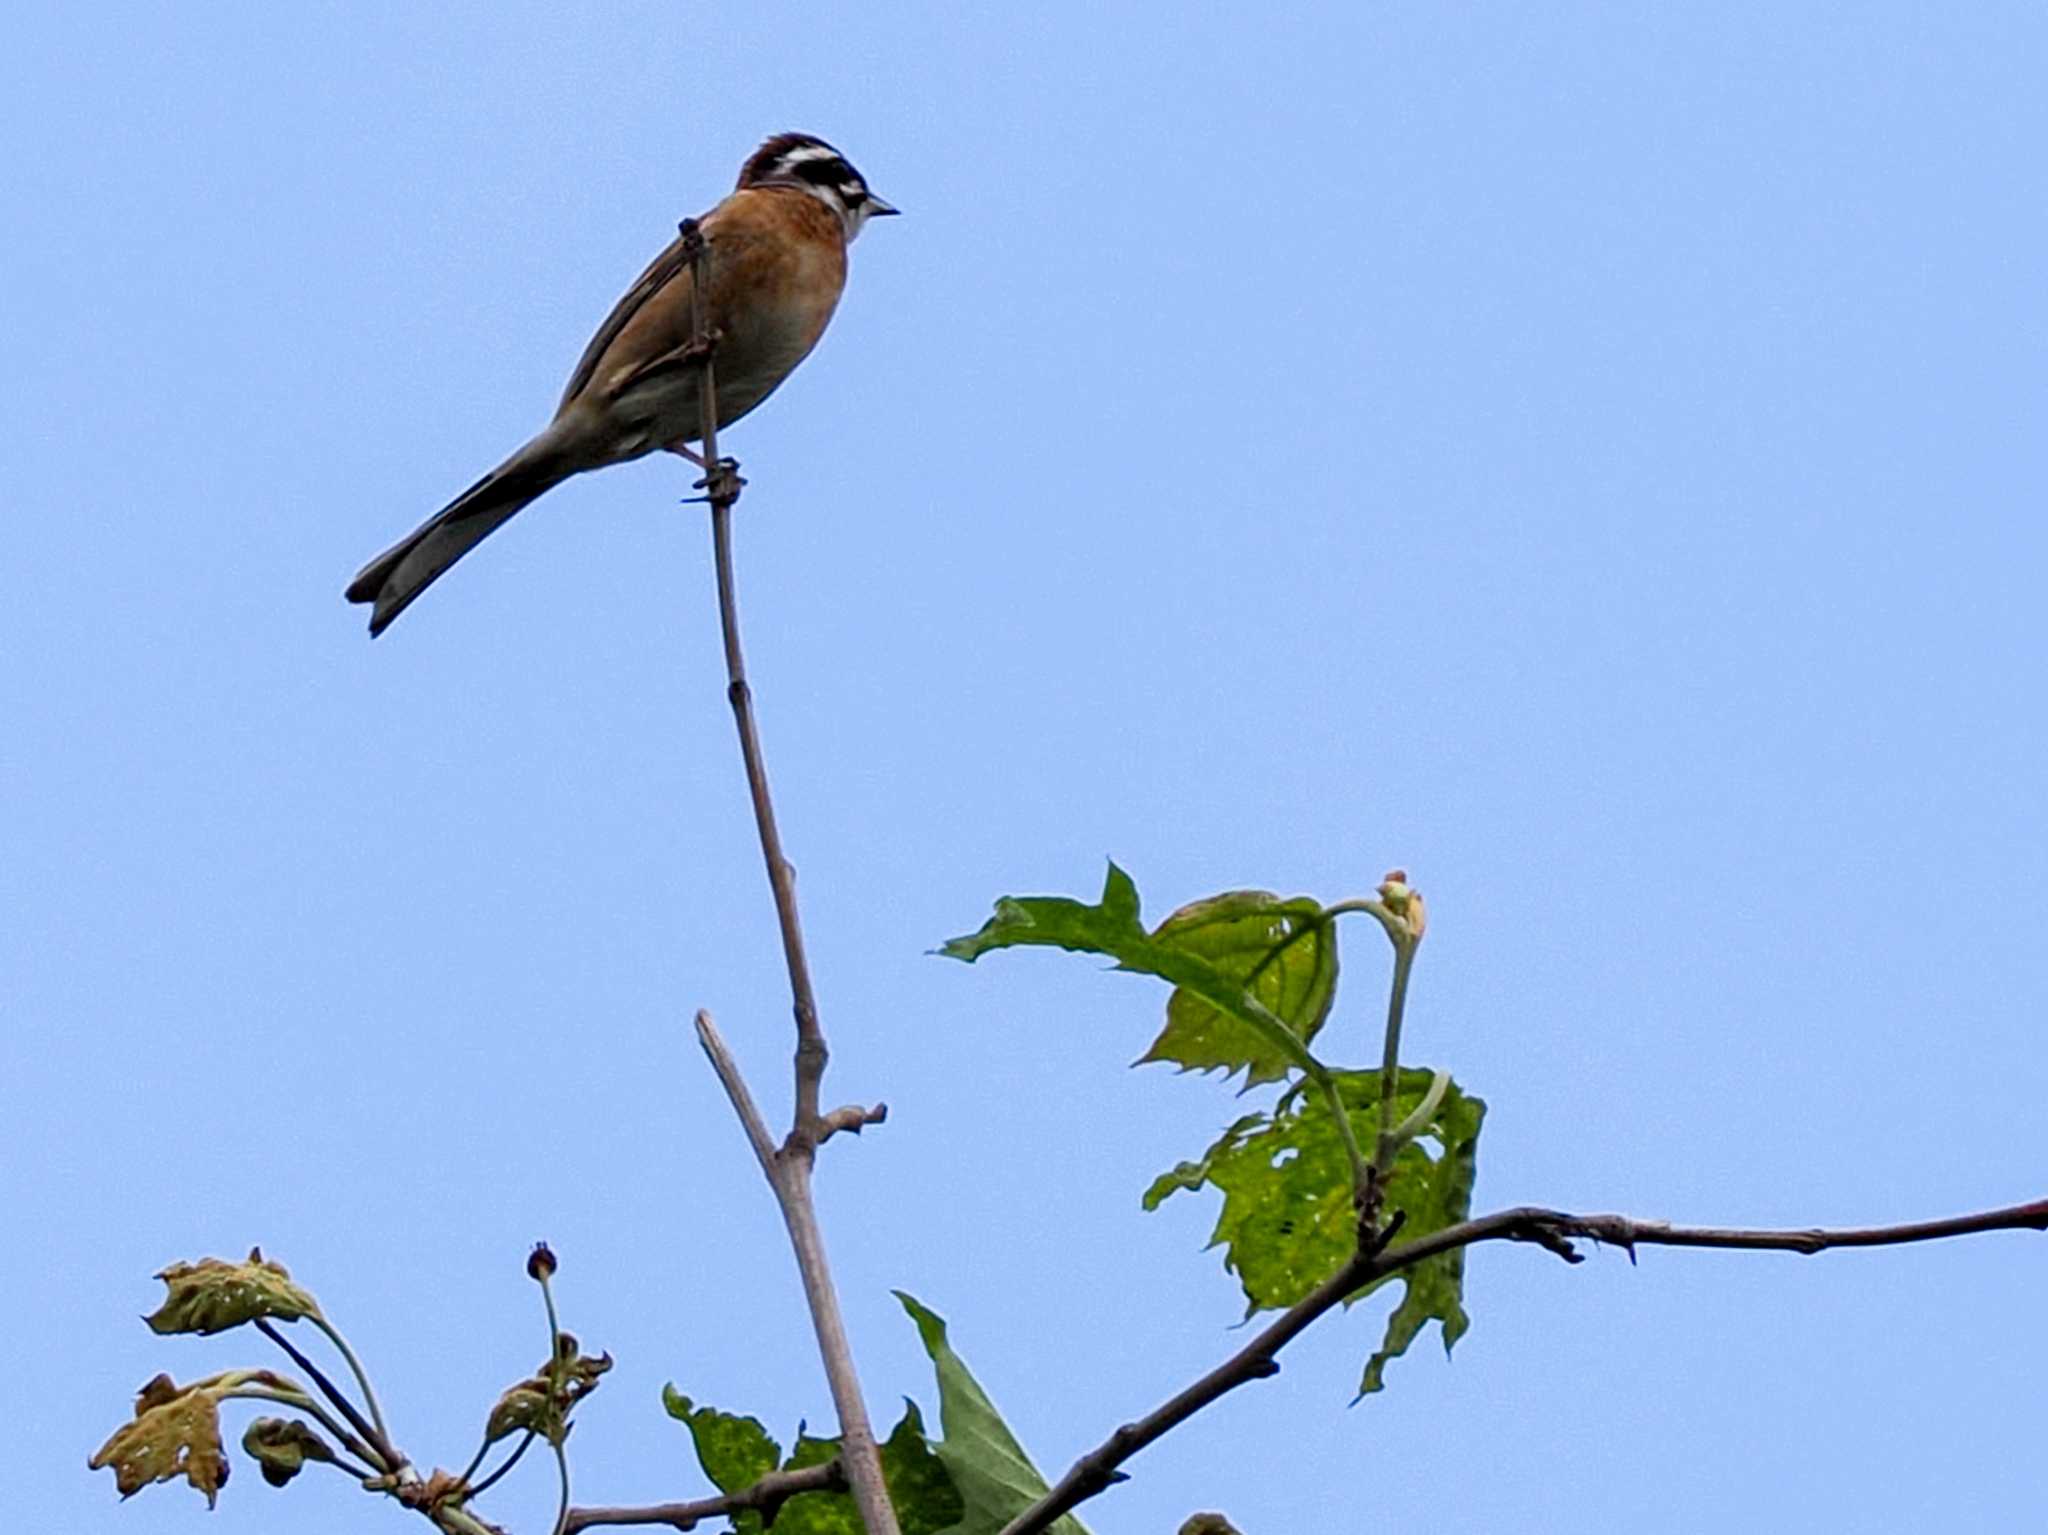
x=213 y=1295
x=1288 y=1222
x=736 y=1452
x=176 y=1432
x=1253 y=974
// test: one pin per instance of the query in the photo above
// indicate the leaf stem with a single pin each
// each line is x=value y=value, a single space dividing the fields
x=562 y=1466
x=381 y=1455
x=1390 y=1057
x=498 y=1475
x=557 y=1429
x=355 y=1366
x=1361 y=1170
x=1356 y=905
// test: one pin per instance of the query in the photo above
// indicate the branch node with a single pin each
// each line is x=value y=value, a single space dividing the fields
x=853 y=1119
x=1377 y=1241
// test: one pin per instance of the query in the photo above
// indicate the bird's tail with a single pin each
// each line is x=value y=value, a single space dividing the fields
x=394 y=578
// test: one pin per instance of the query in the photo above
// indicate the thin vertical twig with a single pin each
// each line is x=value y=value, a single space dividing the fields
x=736 y=1090
x=788 y=1168
x=558 y=1428
x=1390 y=1058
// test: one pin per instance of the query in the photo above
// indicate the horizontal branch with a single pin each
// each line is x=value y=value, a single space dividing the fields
x=766 y=1495
x=1553 y=1230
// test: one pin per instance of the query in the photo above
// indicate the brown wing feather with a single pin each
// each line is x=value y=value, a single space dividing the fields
x=670 y=266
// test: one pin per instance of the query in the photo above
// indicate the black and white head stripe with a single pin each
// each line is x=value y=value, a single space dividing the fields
x=799 y=160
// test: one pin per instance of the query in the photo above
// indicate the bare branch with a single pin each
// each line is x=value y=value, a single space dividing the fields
x=735 y=1086
x=1550 y=1229
x=767 y=1495
x=788 y=1169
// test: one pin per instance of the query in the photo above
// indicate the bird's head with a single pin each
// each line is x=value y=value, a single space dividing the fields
x=814 y=166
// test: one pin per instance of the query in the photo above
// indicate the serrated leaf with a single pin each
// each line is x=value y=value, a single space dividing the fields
x=213 y=1295
x=920 y=1486
x=819 y=1513
x=995 y=1478
x=1284 y=952
x=282 y=1446
x=1434 y=1290
x=735 y=1452
x=1109 y=927
x=1112 y=928
x=921 y=1490
x=175 y=1432
x=1288 y=1222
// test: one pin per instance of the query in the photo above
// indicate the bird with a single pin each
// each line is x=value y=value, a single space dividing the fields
x=777 y=265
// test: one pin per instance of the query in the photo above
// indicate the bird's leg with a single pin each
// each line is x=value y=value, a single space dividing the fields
x=691 y=454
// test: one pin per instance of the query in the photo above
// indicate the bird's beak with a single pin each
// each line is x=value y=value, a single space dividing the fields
x=877 y=208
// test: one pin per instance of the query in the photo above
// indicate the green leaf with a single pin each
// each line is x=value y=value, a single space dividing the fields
x=920 y=1486
x=819 y=1513
x=1284 y=952
x=1226 y=957
x=1110 y=927
x=921 y=1490
x=735 y=1452
x=994 y=1476
x=213 y=1295
x=1288 y=1223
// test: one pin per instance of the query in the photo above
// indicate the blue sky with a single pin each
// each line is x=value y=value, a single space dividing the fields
x=1589 y=455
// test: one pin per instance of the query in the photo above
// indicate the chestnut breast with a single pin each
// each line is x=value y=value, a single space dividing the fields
x=778 y=266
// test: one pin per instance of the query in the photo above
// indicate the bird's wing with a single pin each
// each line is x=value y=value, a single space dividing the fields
x=672 y=266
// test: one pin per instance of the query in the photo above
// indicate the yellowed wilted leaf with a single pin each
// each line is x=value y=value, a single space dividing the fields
x=213 y=1295
x=520 y=1407
x=571 y=1376
x=176 y=1431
